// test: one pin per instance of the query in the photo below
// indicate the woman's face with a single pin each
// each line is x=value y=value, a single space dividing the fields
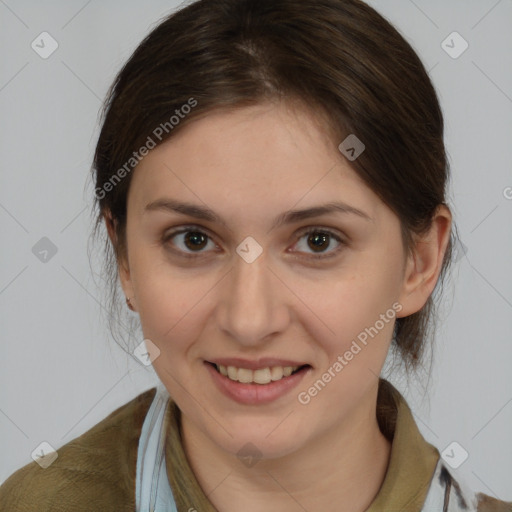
x=237 y=281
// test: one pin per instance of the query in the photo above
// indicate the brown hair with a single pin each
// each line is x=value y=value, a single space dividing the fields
x=340 y=58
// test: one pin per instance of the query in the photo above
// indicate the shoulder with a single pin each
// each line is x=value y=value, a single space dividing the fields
x=95 y=471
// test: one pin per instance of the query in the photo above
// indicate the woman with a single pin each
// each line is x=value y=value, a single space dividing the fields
x=272 y=176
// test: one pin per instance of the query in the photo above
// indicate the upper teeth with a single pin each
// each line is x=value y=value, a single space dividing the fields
x=262 y=376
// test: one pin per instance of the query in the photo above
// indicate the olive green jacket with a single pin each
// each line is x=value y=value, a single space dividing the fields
x=96 y=471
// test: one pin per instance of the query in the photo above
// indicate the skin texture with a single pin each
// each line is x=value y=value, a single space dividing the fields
x=249 y=165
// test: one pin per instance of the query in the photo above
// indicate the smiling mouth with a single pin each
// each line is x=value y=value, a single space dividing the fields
x=260 y=376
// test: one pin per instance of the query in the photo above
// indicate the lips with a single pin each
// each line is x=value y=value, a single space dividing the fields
x=248 y=390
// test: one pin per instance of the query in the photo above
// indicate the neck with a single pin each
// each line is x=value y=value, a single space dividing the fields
x=345 y=467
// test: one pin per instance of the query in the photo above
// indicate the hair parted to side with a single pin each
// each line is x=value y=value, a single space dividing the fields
x=338 y=58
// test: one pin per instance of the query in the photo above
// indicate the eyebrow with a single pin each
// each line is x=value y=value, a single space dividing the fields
x=288 y=217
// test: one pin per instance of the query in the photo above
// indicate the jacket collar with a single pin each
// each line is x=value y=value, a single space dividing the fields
x=413 y=461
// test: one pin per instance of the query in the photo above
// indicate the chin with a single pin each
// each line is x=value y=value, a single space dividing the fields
x=260 y=444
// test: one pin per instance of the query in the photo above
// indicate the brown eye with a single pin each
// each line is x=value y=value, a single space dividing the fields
x=195 y=240
x=318 y=241
x=192 y=244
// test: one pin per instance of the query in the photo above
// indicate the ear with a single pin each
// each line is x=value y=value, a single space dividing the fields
x=122 y=263
x=424 y=264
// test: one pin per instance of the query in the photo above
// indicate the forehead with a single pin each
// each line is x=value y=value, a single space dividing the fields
x=272 y=155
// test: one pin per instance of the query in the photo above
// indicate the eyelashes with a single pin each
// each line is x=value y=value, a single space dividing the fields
x=324 y=235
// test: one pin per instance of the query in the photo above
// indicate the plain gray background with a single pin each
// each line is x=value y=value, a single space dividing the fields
x=61 y=372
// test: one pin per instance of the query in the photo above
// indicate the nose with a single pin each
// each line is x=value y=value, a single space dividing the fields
x=253 y=307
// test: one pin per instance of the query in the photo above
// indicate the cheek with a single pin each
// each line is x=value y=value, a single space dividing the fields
x=171 y=316
x=168 y=299
x=355 y=307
